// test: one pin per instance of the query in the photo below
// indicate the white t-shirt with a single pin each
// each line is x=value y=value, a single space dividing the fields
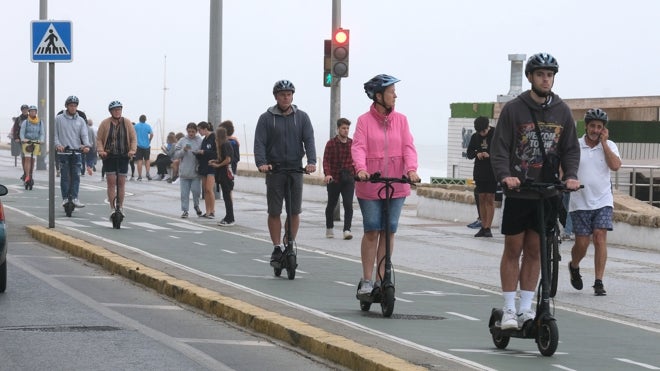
x=594 y=174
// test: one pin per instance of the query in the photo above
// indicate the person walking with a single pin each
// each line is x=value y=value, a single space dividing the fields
x=206 y=153
x=116 y=138
x=339 y=178
x=189 y=179
x=143 y=154
x=382 y=143
x=223 y=174
x=591 y=208
x=32 y=130
x=70 y=132
x=484 y=178
x=283 y=137
x=15 y=135
x=533 y=128
x=92 y=156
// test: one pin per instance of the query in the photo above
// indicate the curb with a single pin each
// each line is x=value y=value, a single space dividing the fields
x=321 y=343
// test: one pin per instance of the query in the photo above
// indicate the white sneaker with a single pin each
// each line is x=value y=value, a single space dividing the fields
x=525 y=316
x=176 y=181
x=366 y=287
x=509 y=320
x=347 y=235
x=329 y=233
x=78 y=203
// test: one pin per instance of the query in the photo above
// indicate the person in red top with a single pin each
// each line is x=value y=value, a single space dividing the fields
x=339 y=177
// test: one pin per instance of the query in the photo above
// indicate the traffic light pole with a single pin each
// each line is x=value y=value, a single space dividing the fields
x=335 y=91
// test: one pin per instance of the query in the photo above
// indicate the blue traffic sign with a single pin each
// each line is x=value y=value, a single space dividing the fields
x=51 y=41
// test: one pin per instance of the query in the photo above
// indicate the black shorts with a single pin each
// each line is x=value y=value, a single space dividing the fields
x=143 y=153
x=110 y=165
x=521 y=214
x=485 y=186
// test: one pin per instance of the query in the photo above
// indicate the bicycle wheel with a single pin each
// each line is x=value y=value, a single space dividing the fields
x=554 y=259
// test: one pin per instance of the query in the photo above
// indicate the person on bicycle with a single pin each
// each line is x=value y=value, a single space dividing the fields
x=283 y=137
x=116 y=138
x=32 y=130
x=516 y=158
x=70 y=131
x=382 y=143
x=591 y=208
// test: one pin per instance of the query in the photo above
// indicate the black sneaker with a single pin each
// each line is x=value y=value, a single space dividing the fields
x=576 y=279
x=599 y=289
x=276 y=257
x=484 y=232
x=198 y=211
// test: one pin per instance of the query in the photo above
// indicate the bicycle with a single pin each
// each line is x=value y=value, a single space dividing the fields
x=117 y=215
x=288 y=261
x=69 y=205
x=543 y=328
x=383 y=293
x=30 y=146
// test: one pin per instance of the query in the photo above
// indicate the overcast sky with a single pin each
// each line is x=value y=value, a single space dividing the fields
x=443 y=51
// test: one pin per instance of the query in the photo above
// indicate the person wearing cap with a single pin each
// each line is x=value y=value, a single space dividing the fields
x=70 y=132
x=32 y=130
x=283 y=137
x=516 y=157
x=116 y=137
x=382 y=143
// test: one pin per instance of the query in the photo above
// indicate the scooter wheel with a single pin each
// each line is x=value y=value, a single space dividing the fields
x=277 y=272
x=365 y=306
x=291 y=266
x=387 y=302
x=500 y=341
x=548 y=337
x=68 y=208
x=116 y=220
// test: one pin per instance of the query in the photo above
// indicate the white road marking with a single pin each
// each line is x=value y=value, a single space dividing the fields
x=142 y=306
x=189 y=226
x=645 y=365
x=227 y=342
x=229 y=251
x=149 y=226
x=463 y=316
x=344 y=283
x=200 y=243
x=109 y=225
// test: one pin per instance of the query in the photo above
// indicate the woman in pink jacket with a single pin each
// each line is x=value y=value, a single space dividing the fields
x=382 y=143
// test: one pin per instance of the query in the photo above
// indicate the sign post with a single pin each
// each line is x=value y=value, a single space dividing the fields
x=50 y=42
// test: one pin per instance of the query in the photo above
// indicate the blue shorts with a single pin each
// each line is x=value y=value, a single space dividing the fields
x=372 y=214
x=585 y=221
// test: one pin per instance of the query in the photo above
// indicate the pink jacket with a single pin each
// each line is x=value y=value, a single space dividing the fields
x=383 y=144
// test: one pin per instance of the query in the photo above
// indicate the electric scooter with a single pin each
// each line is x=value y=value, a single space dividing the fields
x=117 y=216
x=289 y=257
x=29 y=180
x=543 y=328
x=383 y=293
x=69 y=206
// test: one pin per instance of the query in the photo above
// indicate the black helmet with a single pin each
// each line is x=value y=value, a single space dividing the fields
x=283 y=85
x=24 y=106
x=541 y=61
x=71 y=99
x=378 y=84
x=595 y=114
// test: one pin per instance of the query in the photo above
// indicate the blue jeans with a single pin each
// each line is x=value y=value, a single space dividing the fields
x=187 y=185
x=569 y=222
x=70 y=166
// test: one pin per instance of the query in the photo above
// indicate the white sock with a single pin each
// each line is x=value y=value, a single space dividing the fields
x=509 y=300
x=526 y=300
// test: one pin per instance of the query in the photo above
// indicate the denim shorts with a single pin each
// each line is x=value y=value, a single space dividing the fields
x=372 y=214
x=585 y=221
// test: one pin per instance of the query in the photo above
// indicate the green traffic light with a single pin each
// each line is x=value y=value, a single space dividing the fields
x=327 y=80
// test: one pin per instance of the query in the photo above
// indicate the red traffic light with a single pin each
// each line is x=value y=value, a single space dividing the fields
x=341 y=36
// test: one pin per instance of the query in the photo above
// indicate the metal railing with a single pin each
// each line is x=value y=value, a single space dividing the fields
x=633 y=186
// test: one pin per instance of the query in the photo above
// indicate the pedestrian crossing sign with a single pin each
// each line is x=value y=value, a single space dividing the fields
x=51 y=41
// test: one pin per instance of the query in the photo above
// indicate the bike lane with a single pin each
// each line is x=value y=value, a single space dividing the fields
x=434 y=319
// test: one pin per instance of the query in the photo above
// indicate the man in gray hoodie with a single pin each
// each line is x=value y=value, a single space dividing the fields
x=516 y=156
x=284 y=135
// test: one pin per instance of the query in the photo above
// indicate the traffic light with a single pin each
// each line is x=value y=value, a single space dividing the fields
x=339 y=55
x=327 y=73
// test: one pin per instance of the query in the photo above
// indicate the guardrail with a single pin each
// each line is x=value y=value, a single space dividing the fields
x=634 y=187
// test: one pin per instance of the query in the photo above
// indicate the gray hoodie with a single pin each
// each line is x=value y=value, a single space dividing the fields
x=284 y=140
x=188 y=165
x=71 y=131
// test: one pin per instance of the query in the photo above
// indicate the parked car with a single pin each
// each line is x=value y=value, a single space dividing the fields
x=3 y=244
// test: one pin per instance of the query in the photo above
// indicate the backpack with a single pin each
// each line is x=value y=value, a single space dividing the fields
x=236 y=155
